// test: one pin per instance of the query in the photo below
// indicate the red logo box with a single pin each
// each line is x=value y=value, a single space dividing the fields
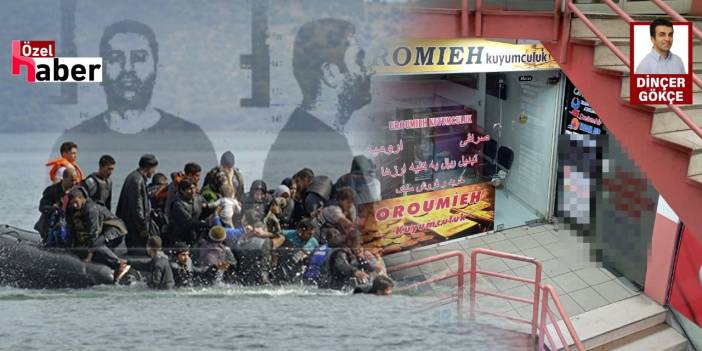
x=665 y=88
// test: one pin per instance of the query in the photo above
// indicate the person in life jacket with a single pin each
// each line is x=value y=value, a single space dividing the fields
x=317 y=271
x=98 y=184
x=69 y=154
x=298 y=246
x=340 y=212
x=317 y=195
x=98 y=232
x=159 y=182
x=53 y=199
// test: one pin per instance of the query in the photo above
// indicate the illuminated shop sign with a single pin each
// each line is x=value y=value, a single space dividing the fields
x=460 y=56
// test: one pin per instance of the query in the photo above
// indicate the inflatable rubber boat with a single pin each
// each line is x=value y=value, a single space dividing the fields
x=25 y=263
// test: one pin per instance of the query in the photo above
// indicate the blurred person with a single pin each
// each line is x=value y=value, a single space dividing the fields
x=131 y=124
x=328 y=65
x=161 y=274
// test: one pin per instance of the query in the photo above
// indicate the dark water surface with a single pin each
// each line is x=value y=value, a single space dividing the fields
x=230 y=318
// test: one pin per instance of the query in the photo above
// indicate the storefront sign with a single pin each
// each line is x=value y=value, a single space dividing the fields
x=405 y=223
x=686 y=289
x=579 y=116
x=414 y=56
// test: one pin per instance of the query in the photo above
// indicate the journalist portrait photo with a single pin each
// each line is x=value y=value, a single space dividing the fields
x=661 y=47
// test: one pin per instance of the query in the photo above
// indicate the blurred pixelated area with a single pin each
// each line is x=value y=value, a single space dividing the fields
x=605 y=200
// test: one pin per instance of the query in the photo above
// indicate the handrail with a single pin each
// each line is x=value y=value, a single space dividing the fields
x=478 y=18
x=618 y=10
x=459 y=274
x=679 y=112
x=628 y=19
x=473 y=282
x=538 y=324
x=676 y=16
x=464 y=18
x=548 y=290
x=598 y=33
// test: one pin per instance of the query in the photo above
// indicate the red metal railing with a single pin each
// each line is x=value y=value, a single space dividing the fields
x=549 y=291
x=570 y=7
x=474 y=291
x=537 y=324
x=458 y=274
x=676 y=16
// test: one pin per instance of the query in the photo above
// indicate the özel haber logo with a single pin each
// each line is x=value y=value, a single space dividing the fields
x=42 y=65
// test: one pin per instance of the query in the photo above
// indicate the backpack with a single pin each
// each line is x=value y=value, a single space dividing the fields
x=58 y=235
x=314 y=266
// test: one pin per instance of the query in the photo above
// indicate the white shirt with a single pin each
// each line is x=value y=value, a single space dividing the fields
x=654 y=63
x=230 y=207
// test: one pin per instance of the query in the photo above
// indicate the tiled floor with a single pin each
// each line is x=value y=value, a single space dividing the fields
x=582 y=285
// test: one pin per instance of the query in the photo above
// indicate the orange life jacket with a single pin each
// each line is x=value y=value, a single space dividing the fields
x=163 y=193
x=62 y=162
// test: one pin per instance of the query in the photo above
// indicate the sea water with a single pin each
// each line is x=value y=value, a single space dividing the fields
x=221 y=317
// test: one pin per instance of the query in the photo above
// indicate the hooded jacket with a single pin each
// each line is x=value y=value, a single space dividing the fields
x=251 y=204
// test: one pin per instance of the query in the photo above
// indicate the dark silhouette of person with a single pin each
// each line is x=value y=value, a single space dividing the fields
x=131 y=126
x=328 y=65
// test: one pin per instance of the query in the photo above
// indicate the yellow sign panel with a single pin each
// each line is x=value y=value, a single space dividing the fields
x=415 y=56
x=408 y=222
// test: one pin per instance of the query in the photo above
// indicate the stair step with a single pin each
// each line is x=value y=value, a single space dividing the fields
x=695 y=168
x=660 y=108
x=684 y=138
x=689 y=140
x=604 y=56
x=668 y=121
x=623 y=70
x=658 y=338
x=612 y=26
x=612 y=322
